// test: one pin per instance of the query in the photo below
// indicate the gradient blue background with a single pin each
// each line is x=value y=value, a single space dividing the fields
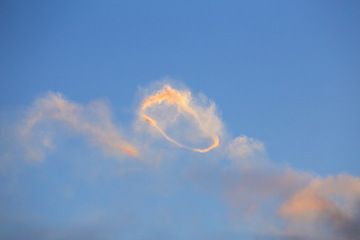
x=284 y=72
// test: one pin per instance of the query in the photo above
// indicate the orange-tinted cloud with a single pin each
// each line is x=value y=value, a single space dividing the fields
x=204 y=118
x=342 y=192
x=328 y=208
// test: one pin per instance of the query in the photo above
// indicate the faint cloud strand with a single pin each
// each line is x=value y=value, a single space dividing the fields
x=92 y=121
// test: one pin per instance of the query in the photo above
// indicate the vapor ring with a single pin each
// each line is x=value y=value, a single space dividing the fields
x=182 y=100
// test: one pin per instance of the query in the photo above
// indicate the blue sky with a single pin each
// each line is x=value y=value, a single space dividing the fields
x=283 y=72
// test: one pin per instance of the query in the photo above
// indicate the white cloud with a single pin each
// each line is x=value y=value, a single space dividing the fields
x=246 y=152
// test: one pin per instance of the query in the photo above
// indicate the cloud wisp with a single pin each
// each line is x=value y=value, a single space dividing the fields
x=93 y=121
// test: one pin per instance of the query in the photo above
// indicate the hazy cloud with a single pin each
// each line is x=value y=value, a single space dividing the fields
x=325 y=208
x=264 y=198
x=246 y=152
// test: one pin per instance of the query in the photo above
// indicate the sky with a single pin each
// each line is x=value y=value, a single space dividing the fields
x=277 y=82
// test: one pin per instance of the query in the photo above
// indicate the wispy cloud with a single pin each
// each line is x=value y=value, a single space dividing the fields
x=53 y=113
